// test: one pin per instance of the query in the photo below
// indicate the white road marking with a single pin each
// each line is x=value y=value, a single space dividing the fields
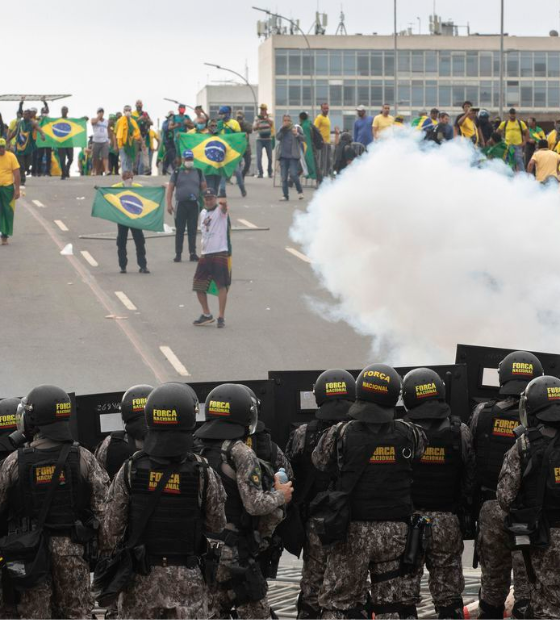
x=125 y=301
x=89 y=258
x=299 y=255
x=174 y=361
x=61 y=225
x=38 y=203
x=247 y=223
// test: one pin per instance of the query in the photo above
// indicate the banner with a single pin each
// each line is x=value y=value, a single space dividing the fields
x=137 y=207
x=63 y=133
x=214 y=154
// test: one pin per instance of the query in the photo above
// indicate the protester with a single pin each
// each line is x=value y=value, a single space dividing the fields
x=200 y=125
x=323 y=124
x=264 y=126
x=544 y=163
x=142 y=162
x=228 y=125
x=65 y=154
x=382 y=122
x=515 y=134
x=188 y=183
x=345 y=150
x=289 y=139
x=247 y=128
x=179 y=124
x=100 y=148
x=85 y=162
x=113 y=146
x=554 y=137
x=213 y=180
x=139 y=113
x=465 y=125
x=128 y=137
x=363 y=127
x=214 y=264
x=498 y=149
x=430 y=121
x=9 y=190
x=314 y=142
x=442 y=132
x=535 y=134
x=419 y=120
x=24 y=133
x=137 y=234
x=485 y=126
x=42 y=153
x=168 y=139
x=152 y=138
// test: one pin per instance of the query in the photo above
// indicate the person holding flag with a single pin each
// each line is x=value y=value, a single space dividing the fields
x=128 y=138
x=9 y=190
x=228 y=125
x=25 y=134
x=213 y=271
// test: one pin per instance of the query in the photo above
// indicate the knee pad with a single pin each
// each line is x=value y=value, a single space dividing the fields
x=490 y=612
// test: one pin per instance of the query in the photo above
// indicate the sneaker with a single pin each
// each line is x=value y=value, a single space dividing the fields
x=194 y=258
x=221 y=322
x=4 y=241
x=143 y=270
x=284 y=199
x=300 y=196
x=244 y=193
x=123 y=270
x=177 y=258
x=203 y=319
x=260 y=176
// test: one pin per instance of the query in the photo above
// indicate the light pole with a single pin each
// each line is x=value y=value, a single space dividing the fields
x=311 y=70
x=396 y=98
x=209 y=64
x=502 y=60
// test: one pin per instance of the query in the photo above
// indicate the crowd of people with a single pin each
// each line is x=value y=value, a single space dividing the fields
x=186 y=522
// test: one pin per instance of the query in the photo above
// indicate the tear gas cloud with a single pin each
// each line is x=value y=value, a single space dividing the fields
x=422 y=250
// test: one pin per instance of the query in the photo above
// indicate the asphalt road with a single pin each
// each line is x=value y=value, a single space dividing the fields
x=63 y=323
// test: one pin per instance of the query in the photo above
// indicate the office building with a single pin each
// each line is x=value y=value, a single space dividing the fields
x=238 y=96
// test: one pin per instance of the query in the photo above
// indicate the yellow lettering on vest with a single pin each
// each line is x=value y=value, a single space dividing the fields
x=383 y=454
x=172 y=486
x=433 y=455
x=504 y=428
x=44 y=474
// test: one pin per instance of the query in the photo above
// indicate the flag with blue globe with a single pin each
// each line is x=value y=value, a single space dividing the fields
x=215 y=154
x=63 y=133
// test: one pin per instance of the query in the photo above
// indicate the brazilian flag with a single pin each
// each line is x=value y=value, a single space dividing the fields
x=137 y=207
x=63 y=133
x=215 y=154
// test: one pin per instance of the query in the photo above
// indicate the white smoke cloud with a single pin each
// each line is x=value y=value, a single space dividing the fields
x=421 y=250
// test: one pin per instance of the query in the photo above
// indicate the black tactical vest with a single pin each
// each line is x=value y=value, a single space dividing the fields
x=71 y=498
x=436 y=477
x=120 y=449
x=532 y=465
x=494 y=437
x=383 y=492
x=175 y=527
x=263 y=446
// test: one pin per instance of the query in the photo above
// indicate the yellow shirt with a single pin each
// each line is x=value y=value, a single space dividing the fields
x=121 y=131
x=121 y=184
x=153 y=137
x=232 y=125
x=468 y=129
x=323 y=124
x=381 y=123
x=552 y=141
x=513 y=132
x=546 y=164
x=8 y=163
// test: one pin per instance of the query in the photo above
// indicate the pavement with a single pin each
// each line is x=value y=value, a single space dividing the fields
x=64 y=323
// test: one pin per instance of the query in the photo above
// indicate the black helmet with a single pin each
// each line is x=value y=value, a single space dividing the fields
x=230 y=412
x=49 y=408
x=378 y=389
x=8 y=410
x=170 y=412
x=541 y=400
x=516 y=370
x=133 y=404
x=334 y=384
x=421 y=385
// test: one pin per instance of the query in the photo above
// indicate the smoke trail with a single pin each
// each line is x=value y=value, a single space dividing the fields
x=421 y=250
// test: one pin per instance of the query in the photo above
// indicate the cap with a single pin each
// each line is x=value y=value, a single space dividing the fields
x=170 y=113
x=263 y=106
x=100 y=110
x=188 y=154
x=361 y=108
x=224 y=109
x=2 y=142
x=182 y=105
x=208 y=192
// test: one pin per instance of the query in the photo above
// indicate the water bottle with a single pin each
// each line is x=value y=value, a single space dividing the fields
x=282 y=475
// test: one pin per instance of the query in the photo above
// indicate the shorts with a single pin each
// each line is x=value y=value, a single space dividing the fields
x=100 y=151
x=216 y=267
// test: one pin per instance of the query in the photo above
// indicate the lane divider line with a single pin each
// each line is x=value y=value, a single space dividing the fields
x=298 y=254
x=89 y=258
x=38 y=203
x=247 y=223
x=174 y=361
x=61 y=225
x=125 y=301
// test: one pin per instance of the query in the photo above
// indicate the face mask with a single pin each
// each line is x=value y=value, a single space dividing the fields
x=189 y=164
x=212 y=129
x=128 y=113
x=200 y=126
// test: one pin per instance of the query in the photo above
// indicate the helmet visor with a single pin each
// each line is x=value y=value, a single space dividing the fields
x=523 y=418
x=21 y=412
x=254 y=417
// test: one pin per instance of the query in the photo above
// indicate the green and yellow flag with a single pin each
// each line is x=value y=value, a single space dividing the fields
x=7 y=208
x=137 y=207
x=63 y=133
x=214 y=154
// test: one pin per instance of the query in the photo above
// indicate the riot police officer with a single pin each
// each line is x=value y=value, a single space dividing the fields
x=26 y=478
x=335 y=391
x=8 y=425
x=492 y=425
x=252 y=512
x=442 y=487
x=117 y=447
x=529 y=490
x=373 y=454
x=170 y=581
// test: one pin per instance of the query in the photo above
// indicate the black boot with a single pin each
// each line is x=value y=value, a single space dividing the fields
x=521 y=608
x=452 y=611
x=305 y=611
x=490 y=612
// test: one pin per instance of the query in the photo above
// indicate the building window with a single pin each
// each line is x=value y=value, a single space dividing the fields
x=540 y=64
x=306 y=97
x=444 y=95
x=363 y=93
x=512 y=93
x=349 y=60
x=404 y=93
x=526 y=95
x=321 y=92
x=417 y=62
x=376 y=63
x=377 y=93
x=363 y=63
x=512 y=64
x=445 y=64
x=404 y=62
x=496 y=94
x=458 y=64
x=389 y=94
x=281 y=92
x=281 y=62
x=496 y=64
x=307 y=63
x=526 y=64
x=430 y=58
x=485 y=64
x=485 y=98
x=294 y=93
x=335 y=94
x=540 y=94
x=335 y=63
x=431 y=94
x=389 y=64
x=349 y=93
x=322 y=63
x=553 y=66
x=417 y=94
x=471 y=93
x=294 y=62
x=553 y=95
x=472 y=64
x=458 y=92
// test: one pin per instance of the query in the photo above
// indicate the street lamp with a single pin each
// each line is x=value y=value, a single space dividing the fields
x=396 y=59
x=209 y=64
x=502 y=60
x=311 y=72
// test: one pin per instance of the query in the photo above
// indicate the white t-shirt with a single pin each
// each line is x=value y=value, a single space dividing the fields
x=100 y=132
x=214 y=229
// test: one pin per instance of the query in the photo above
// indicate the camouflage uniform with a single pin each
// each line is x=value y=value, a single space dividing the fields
x=496 y=558
x=269 y=506
x=371 y=547
x=443 y=558
x=66 y=593
x=101 y=451
x=171 y=591
x=545 y=592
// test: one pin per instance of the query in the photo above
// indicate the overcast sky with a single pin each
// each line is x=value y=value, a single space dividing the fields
x=111 y=52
